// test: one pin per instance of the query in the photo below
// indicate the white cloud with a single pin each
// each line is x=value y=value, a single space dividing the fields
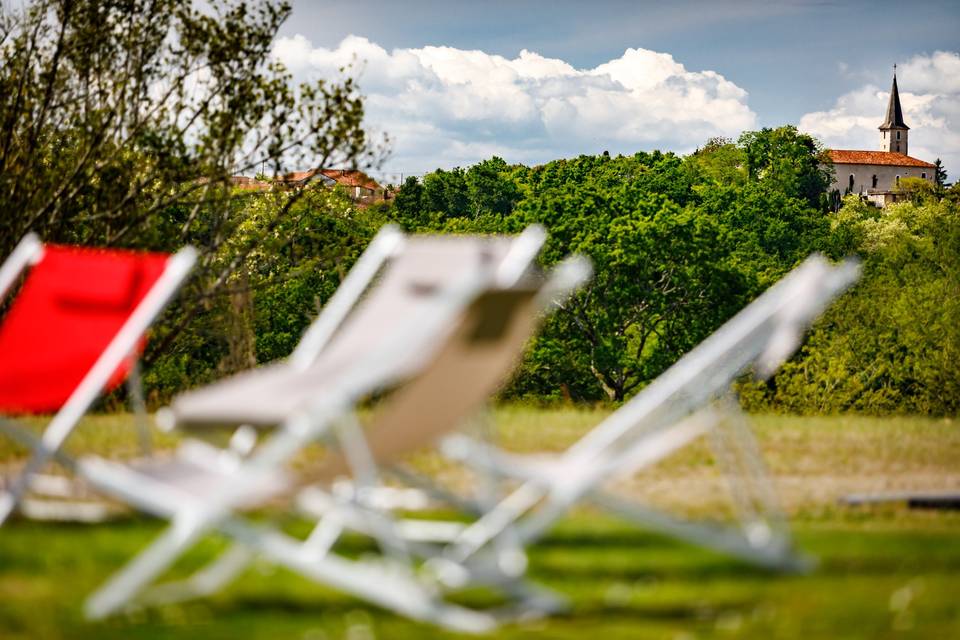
x=930 y=96
x=443 y=106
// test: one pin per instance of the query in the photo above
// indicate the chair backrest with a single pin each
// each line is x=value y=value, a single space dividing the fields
x=477 y=357
x=426 y=266
x=461 y=377
x=72 y=304
x=412 y=301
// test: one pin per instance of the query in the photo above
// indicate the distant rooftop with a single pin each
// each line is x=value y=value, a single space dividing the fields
x=351 y=178
x=344 y=177
x=846 y=156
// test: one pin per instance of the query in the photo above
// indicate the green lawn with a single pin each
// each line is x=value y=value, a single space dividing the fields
x=883 y=571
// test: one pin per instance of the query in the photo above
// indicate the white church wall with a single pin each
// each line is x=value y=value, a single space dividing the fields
x=863 y=177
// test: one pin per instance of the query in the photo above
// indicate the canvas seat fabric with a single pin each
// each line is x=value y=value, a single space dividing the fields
x=71 y=305
x=267 y=396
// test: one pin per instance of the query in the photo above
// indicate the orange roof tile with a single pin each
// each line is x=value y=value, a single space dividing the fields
x=846 y=156
x=351 y=178
x=345 y=177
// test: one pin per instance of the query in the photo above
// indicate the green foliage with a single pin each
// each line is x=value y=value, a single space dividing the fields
x=660 y=282
x=490 y=189
x=719 y=162
x=269 y=299
x=893 y=344
x=916 y=190
x=408 y=203
x=792 y=162
x=445 y=193
x=678 y=245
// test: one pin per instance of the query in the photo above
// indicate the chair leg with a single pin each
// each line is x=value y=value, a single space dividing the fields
x=388 y=585
x=127 y=584
x=366 y=476
x=10 y=499
x=775 y=554
x=208 y=580
x=135 y=393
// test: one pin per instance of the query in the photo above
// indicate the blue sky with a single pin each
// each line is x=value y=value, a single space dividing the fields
x=697 y=69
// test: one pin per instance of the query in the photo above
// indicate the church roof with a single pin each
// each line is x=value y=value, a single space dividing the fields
x=846 y=156
x=894 y=119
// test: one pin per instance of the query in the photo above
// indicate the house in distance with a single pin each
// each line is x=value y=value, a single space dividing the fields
x=876 y=175
x=360 y=187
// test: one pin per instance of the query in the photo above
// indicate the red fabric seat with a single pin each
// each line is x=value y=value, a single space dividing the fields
x=72 y=304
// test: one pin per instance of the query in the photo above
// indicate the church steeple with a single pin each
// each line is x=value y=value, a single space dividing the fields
x=893 y=131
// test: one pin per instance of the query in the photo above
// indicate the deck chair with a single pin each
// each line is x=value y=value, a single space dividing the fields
x=690 y=399
x=638 y=435
x=439 y=299
x=72 y=333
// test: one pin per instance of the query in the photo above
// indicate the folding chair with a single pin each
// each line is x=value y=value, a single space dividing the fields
x=440 y=299
x=688 y=400
x=72 y=332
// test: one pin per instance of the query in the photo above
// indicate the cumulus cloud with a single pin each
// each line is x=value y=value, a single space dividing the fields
x=930 y=96
x=443 y=106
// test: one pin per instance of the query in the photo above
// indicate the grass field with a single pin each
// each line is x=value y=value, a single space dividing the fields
x=884 y=572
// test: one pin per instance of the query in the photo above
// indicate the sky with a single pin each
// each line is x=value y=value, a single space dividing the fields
x=451 y=83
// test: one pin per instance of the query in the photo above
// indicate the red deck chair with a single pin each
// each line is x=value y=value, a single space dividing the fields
x=73 y=332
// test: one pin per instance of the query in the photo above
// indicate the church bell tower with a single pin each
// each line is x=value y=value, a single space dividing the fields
x=893 y=131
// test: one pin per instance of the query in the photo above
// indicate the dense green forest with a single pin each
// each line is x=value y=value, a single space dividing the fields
x=679 y=244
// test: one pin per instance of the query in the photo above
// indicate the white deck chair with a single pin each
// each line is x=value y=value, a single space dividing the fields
x=762 y=335
x=72 y=332
x=459 y=379
x=636 y=436
x=672 y=411
x=389 y=336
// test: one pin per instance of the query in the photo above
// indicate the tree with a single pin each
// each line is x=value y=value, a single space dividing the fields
x=119 y=118
x=490 y=189
x=122 y=122
x=719 y=162
x=890 y=345
x=408 y=203
x=916 y=190
x=939 y=175
x=661 y=282
x=267 y=302
x=794 y=162
x=455 y=193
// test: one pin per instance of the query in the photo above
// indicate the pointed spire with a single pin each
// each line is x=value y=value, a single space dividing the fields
x=894 y=119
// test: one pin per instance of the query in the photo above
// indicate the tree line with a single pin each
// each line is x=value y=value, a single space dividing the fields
x=682 y=243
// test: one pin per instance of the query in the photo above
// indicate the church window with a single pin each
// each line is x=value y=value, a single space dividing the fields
x=874 y=181
x=850 y=188
x=923 y=174
x=898 y=146
x=898 y=135
x=898 y=181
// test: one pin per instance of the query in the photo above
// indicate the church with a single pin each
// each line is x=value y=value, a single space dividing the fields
x=876 y=175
